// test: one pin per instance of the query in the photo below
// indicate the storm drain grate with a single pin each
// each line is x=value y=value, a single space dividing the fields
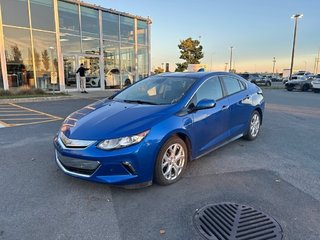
x=229 y=221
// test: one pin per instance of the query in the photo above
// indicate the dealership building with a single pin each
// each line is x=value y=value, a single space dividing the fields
x=43 y=42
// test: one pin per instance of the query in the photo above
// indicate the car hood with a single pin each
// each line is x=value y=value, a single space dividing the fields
x=111 y=119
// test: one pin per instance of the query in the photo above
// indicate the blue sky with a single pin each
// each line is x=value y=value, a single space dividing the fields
x=258 y=29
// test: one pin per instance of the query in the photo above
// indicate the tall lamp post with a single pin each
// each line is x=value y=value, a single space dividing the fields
x=274 y=64
x=295 y=17
x=230 y=66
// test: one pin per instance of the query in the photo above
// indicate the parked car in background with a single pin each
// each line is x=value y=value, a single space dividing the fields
x=256 y=79
x=302 y=84
x=113 y=78
x=300 y=75
x=151 y=130
x=315 y=83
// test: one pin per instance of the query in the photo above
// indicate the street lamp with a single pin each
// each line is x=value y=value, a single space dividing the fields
x=225 y=66
x=274 y=64
x=230 y=66
x=295 y=17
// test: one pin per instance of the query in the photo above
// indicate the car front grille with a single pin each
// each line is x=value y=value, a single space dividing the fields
x=77 y=166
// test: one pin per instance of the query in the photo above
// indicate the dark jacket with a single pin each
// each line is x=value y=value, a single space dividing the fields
x=82 y=71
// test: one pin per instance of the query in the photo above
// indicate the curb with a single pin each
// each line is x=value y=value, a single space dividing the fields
x=36 y=99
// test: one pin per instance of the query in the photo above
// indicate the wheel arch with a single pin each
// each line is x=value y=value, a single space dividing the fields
x=259 y=110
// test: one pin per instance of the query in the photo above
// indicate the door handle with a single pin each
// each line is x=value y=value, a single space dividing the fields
x=224 y=107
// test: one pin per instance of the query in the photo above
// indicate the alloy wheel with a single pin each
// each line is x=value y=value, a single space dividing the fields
x=173 y=161
x=255 y=125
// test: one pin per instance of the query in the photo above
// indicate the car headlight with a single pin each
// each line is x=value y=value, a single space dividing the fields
x=122 y=142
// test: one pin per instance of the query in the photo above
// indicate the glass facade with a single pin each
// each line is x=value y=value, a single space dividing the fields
x=1 y=79
x=18 y=51
x=112 y=45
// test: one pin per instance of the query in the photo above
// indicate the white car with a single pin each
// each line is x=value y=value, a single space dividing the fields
x=316 y=84
x=113 y=78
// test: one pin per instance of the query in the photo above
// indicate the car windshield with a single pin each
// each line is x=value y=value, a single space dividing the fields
x=156 y=90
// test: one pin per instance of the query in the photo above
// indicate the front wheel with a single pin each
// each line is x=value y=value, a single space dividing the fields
x=171 y=161
x=254 y=126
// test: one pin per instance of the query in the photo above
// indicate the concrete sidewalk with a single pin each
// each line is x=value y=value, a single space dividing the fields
x=72 y=95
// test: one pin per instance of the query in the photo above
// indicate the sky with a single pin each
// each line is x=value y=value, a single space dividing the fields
x=258 y=30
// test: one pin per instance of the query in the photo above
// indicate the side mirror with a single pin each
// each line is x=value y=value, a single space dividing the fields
x=204 y=104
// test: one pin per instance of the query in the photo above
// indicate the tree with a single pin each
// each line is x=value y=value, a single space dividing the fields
x=16 y=53
x=46 y=60
x=37 y=60
x=158 y=70
x=191 y=52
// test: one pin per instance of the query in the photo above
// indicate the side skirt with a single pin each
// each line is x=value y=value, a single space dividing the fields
x=221 y=145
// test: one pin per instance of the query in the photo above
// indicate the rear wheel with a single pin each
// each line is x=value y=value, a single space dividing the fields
x=171 y=161
x=290 y=88
x=305 y=88
x=254 y=126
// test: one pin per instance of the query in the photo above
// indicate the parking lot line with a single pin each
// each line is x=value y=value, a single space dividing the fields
x=32 y=110
x=15 y=115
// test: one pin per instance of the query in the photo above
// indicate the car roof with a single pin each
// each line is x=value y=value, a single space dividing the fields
x=197 y=75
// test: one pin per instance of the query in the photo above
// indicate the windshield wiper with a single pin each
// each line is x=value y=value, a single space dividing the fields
x=140 y=102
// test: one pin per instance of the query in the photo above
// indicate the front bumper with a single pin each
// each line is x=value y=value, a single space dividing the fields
x=126 y=166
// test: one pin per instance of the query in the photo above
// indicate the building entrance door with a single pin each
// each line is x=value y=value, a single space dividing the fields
x=72 y=62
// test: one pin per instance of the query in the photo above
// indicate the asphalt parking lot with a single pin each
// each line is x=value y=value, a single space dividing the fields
x=278 y=174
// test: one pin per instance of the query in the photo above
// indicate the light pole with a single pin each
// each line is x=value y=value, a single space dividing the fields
x=274 y=64
x=295 y=17
x=225 y=66
x=230 y=69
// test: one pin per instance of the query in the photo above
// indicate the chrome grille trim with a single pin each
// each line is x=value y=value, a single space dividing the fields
x=74 y=144
x=73 y=173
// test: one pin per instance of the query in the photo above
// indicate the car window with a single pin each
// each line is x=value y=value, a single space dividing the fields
x=157 y=90
x=210 y=89
x=232 y=85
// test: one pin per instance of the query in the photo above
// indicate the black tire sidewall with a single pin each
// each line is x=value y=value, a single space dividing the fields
x=158 y=176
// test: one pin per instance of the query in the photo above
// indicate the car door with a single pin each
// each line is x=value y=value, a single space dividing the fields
x=210 y=126
x=239 y=104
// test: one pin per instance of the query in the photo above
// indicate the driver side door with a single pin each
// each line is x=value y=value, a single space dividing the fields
x=210 y=126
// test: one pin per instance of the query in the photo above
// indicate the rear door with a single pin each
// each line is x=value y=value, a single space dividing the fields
x=210 y=126
x=239 y=103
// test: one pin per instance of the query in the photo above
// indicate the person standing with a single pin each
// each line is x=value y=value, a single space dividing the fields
x=82 y=72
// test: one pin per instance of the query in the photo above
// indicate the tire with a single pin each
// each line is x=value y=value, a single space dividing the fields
x=268 y=84
x=316 y=90
x=290 y=88
x=254 y=126
x=305 y=88
x=170 y=165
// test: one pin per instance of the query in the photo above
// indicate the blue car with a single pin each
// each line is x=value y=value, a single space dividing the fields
x=152 y=129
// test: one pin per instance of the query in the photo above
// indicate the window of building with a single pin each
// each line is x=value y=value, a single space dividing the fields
x=127 y=29
x=142 y=62
x=232 y=85
x=42 y=15
x=111 y=63
x=70 y=43
x=15 y=13
x=18 y=57
x=89 y=22
x=110 y=24
x=45 y=59
x=142 y=29
x=91 y=45
x=1 y=79
x=127 y=64
x=69 y=18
